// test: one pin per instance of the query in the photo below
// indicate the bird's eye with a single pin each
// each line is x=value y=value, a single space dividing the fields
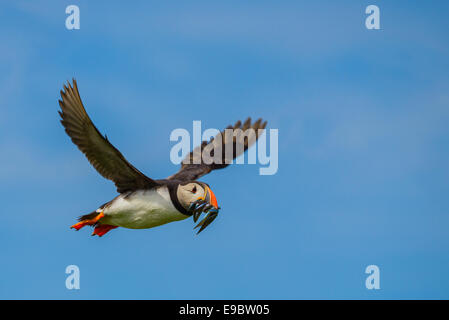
x=194 y=190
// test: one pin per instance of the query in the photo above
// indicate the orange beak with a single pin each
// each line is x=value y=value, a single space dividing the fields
x=210 y=197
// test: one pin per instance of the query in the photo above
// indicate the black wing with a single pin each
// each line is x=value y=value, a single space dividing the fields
x=105 y=158
x=245 y=137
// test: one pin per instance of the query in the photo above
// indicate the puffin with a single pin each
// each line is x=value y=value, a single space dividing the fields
x=144 y=202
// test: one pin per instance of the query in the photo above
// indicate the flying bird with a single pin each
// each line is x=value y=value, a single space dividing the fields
x=143 y=202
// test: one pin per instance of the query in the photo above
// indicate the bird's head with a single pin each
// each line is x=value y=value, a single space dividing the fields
x=197 y=197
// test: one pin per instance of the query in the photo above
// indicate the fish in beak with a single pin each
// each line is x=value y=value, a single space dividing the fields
x=207 y=204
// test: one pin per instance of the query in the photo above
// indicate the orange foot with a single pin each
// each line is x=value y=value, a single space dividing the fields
x=88 y=222
x=102 y=229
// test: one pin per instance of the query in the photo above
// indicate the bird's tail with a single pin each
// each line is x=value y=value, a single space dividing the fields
x=88 y=216
x=93 y=214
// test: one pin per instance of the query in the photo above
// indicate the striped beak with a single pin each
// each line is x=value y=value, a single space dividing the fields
x=207 y=204
x=210 y=198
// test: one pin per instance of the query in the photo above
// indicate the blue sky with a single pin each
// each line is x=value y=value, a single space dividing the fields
x=363 y=147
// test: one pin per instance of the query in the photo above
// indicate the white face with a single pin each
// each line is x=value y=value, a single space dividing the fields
x=189 y=193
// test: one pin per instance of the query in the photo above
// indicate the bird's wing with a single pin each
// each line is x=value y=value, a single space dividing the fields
x=105 y=158
x=239 y=142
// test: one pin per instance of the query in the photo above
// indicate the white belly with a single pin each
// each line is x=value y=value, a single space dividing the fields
x=142 y=209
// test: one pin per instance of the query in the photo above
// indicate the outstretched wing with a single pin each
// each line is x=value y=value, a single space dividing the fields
x=105 y=158
x=243 y=137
